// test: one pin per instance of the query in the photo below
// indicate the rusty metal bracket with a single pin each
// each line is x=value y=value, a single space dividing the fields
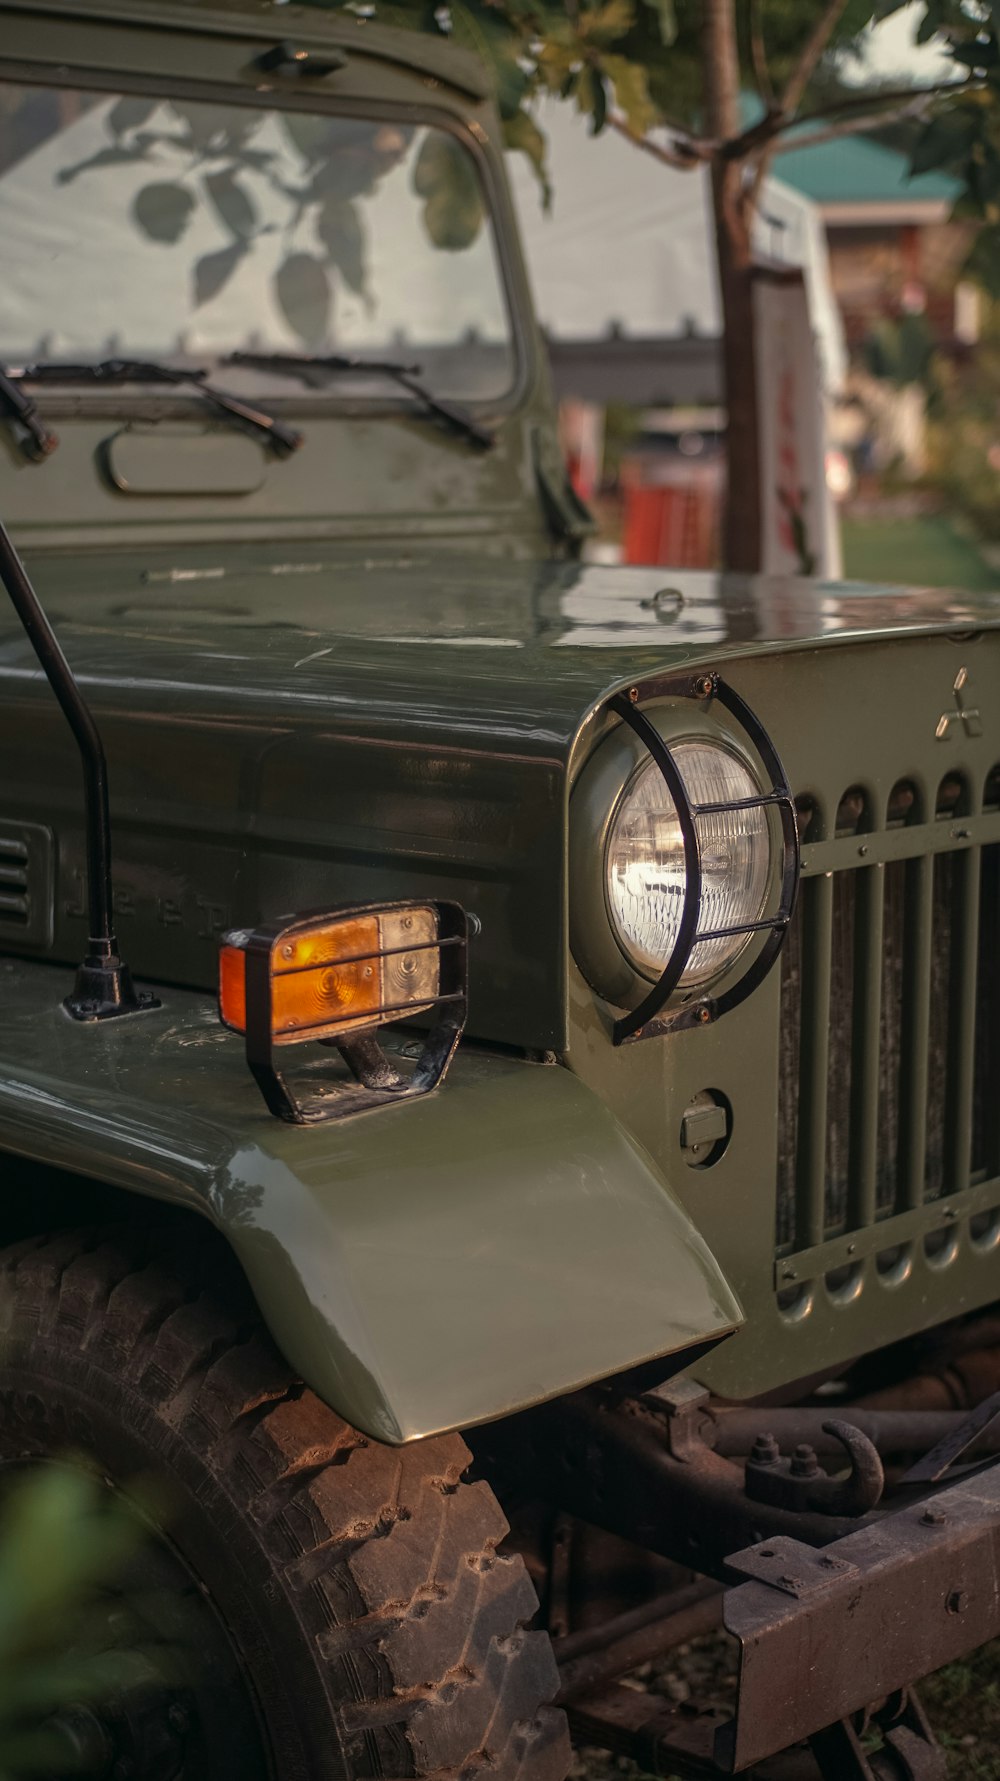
x=946 y=1451
x=801 y=1483
x=791 y=1566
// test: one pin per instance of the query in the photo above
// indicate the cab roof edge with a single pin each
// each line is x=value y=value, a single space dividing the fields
x=268 y=22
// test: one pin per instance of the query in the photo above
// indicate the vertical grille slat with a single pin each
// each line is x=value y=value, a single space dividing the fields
x=815 y=1061
x=915 y=1031
x=840 y=1074
x=895 y=931
x=962 y=1023
x=863 y=1143
x=986 y=1097
x=890 y=1037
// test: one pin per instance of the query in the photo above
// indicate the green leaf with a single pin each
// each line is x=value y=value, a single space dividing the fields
x=983 y=53
x=944 y=142
x=983 y=263
x=606 y=24
x=522 y=135
x=592 y=99
x=231 y=203
x=931 y=22
x=631 y=90
x=445 y=176
x=213 y=271
x=163 y=211
x=341 y=230
x=667 y=17
x=485 y=31
x=302 y=289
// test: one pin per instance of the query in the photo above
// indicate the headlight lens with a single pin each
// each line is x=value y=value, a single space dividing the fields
x=645 y=872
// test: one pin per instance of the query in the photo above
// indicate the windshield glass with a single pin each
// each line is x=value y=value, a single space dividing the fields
x=181 y=231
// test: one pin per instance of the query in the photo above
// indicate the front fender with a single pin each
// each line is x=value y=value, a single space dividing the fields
x=427 y=1266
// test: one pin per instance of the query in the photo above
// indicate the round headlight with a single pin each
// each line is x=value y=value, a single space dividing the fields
x=645 y=873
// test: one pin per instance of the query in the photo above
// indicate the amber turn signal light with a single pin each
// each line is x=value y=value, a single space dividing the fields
x=338 y=975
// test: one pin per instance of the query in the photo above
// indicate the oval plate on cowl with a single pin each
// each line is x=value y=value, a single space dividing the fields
x=172 y=460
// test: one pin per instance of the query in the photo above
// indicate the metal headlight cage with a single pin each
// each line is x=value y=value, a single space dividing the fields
x=377 y=1081
x=648 y=1019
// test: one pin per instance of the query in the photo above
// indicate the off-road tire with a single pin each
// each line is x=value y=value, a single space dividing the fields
x=381 y=1629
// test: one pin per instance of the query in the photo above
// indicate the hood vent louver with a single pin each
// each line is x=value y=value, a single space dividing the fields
x=26 y=884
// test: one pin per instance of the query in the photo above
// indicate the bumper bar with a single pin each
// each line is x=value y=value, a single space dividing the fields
x=823 y=1633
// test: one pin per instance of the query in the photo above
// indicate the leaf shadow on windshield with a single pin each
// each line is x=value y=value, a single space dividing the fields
x=218 y=164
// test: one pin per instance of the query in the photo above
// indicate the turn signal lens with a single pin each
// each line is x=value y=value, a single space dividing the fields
x=338 y=975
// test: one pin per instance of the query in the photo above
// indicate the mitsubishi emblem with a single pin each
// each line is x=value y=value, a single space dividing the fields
x=966 y=715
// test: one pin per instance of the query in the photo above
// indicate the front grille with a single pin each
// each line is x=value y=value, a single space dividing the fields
x=889 y=1077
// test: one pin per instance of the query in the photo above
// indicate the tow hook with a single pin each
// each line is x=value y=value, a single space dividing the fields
x=800 y=1482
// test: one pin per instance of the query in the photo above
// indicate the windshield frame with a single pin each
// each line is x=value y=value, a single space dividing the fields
x=151 y=401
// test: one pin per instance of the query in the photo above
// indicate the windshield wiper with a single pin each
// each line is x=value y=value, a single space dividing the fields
x=114 y=372
x=323 y=366
x=29 y=430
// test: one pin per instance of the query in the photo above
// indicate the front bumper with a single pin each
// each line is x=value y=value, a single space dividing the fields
x=825 y=1632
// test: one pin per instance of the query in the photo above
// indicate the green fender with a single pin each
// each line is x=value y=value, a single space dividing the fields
x=427 y=1266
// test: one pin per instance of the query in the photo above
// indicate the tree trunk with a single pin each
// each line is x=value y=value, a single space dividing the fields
x=741 y=540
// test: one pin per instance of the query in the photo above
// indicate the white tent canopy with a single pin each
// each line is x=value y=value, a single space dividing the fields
x=627 y=247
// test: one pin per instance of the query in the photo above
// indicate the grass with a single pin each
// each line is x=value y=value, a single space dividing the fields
x=925 y=550
x=962 y=1703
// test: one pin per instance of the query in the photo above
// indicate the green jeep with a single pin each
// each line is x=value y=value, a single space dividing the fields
x=666 y=909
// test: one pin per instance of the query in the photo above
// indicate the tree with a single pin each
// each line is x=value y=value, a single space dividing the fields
x=673 y=76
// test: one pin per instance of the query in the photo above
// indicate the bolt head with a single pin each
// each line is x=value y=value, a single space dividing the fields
x=804 y=1461
x=933 y=1517
x=765 y=1451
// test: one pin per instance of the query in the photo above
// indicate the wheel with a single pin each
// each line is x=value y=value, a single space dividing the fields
x=347 y=1604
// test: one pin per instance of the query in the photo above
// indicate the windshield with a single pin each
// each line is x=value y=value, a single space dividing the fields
x=182 y=232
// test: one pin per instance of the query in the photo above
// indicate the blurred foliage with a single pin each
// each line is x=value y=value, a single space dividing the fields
x=964 y=432
x=62 y=1542
x=641 y=63
x=901 y=350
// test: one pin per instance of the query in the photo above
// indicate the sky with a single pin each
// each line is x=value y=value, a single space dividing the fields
x=891 y=50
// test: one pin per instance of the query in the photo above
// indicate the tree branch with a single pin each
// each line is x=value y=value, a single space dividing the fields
x=684 y=153
x=889 y=96
x=758 y=56
x=815 y=45
x=777 y=123
x=847 y=127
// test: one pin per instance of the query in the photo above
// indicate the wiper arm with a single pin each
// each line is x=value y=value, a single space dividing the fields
x=312 y=369
x=29 y=430
x=114 y=372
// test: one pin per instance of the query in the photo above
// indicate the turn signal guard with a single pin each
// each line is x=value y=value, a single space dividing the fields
x=334 y=977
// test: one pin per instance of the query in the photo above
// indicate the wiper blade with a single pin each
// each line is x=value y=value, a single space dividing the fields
x=115 y=372
x=321 y=366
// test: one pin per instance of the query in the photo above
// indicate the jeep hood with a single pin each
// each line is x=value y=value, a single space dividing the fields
x=288 y=733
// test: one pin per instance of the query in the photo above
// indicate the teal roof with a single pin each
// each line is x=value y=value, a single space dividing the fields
x=854 y=170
